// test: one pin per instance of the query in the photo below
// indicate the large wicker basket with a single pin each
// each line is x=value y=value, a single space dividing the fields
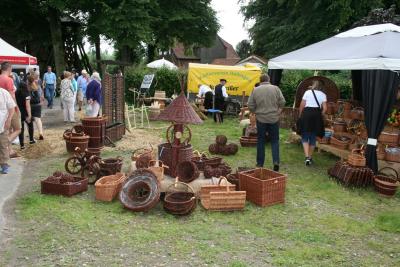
x=389 y=137
x=222 y=197
x=264 y=187
x=108 y=187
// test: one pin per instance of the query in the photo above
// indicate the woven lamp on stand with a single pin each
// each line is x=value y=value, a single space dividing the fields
x=180 y=113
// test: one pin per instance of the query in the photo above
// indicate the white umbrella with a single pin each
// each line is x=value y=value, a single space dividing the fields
x=161 y=63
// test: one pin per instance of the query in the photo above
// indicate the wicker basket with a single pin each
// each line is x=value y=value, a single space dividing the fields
x=69 y=189
x=342 y=141
x=187 y=171
x=392 y=154
x=142 y=157
x=248 y=141
x=221 y=140
x=74 y=140
x=222 y=197
x=357 y=113
x=108 y=187
x=158 y=168
x=380 y=152
x=332 y=108
x=339 y=126
x=179 y=199
x=357 y=158
x=389 y=137
x=264 y=187
x=385 y=184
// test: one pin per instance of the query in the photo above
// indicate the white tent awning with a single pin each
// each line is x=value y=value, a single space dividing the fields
x=362 y=48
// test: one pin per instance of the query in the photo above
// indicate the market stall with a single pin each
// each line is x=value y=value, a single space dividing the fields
x=372 y=53
x=16 y=57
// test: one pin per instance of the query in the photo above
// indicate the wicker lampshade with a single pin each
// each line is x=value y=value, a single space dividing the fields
x=180 y=111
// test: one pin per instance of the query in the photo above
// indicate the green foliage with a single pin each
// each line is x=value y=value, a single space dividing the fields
x=286 y=25
x=244 y=49
x=165 y=80
x=292 y=78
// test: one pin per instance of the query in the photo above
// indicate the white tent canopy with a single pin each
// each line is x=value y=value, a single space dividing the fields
x=161 y=63
x=15 y=56
x=362 y=48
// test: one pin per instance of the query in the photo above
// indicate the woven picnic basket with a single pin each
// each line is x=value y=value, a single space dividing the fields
x=108 y=187
x=221 y=197
x=389 y=137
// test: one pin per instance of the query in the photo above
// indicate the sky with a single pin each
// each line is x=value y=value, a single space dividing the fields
x=232 y=29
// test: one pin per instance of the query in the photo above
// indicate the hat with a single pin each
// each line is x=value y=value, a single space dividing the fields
x=222 y=80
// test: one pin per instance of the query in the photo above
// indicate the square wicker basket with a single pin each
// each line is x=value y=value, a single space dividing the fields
x=263 y=187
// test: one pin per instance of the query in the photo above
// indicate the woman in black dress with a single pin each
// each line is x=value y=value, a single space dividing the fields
x=23 y=98
x=312 y=108
x=36 y=102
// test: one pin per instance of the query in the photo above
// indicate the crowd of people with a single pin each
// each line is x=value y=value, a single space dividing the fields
x=23 y=96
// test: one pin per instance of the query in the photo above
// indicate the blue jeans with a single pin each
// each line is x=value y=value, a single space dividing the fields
x=50 y=94
x=310 y=138
x=273 y=133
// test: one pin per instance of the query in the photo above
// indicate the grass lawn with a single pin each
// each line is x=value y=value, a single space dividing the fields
x=321 y=224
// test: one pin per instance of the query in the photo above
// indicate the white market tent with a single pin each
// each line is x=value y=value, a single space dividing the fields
x=15 y=56
x=161 y=63
x=362 y=48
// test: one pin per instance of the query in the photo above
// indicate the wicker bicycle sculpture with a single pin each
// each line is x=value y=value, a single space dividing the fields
x=85 y=164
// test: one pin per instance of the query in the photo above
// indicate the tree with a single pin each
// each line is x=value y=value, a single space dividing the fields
x=191 y=22
x=379 y=16
x=244 y=49
x=286 y=25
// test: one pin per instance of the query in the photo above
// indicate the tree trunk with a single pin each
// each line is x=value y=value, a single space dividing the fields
x=151 y=52
x=57 y=41
x=126 y=54
x=98 y=53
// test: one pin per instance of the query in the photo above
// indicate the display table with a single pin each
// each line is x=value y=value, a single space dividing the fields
x=343 y=154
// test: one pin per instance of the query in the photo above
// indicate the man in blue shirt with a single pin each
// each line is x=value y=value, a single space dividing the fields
x=49 y=83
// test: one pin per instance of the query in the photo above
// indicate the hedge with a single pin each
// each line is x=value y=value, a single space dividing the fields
x=164 y=80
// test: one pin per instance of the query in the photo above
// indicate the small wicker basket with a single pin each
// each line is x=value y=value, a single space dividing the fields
x=108 y=187
x=357 y=158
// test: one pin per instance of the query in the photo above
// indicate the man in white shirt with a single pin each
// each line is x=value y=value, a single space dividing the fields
x=203 y=89
x=7 y=109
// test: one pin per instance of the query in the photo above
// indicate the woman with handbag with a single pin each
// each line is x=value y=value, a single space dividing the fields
x=312 y=108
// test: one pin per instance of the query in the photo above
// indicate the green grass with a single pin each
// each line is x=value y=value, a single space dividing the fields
x=321 y=223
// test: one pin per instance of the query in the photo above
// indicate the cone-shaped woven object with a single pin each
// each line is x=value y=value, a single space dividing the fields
x=180 y=111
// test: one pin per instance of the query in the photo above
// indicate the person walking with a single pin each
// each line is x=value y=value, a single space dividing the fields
x=36 y=103
x=311 y=110
x=7 y=110
x=24 y=105
x=68 y=98
x=7 y=83
x=82 y=81
x=219 y=99
x=49 y=85
x=93 y=95
x=266 y=101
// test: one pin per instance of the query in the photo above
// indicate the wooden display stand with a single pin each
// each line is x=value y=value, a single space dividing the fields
x=343 y=154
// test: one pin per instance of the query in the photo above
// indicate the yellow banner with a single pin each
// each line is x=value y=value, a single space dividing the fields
x=239 y=78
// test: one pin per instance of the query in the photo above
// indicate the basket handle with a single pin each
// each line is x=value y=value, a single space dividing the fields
x=182 y=183
x=197 y=153
x=205 y=154
x=390 y=168
x=222 y=178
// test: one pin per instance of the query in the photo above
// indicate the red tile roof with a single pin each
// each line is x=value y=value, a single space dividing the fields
x=179 y=52
x=225 y=61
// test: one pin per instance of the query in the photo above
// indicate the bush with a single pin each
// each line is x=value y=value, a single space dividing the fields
x=164 y=80
x=292 y=78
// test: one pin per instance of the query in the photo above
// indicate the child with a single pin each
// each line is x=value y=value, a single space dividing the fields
x=7 y=109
